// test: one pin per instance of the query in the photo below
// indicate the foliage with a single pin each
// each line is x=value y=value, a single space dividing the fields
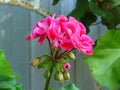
x=70 y=86
x=7 y=78
x=109 y=10
x=105 y=63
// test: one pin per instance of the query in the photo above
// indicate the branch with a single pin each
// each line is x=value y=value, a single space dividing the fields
x=28 y=5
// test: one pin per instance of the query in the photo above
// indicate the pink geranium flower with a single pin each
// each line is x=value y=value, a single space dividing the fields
x=40 y=29
x=63 y=32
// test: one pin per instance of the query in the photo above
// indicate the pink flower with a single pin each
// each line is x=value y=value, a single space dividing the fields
x=63 y=32
x=66 y=66
x=40 y=29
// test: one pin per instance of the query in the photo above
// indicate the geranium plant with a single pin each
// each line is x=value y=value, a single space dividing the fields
x=63 y=35
x=67 y=34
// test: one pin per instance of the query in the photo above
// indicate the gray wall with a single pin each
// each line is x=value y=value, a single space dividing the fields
x=15 y=25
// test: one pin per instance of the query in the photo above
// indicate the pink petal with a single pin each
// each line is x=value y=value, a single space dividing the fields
x=41 y=39
x=28 y=38
x=66 y=45
x=82 y=29
x=52 y=35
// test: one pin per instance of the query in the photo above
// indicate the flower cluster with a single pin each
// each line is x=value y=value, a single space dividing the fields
x=63 y=32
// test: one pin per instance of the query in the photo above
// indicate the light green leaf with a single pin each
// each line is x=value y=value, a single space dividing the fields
x=69 y=87
x=5 y=67
x=105 y=62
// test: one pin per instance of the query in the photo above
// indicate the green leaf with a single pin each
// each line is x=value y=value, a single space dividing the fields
x=69 y=87
x=15 y=77
x=4 y=78
x=81 y=7
x=50 y=89
x=55 y=2
x=10 y=84
x=5 y=67
x=18 y=87
x=105 y=62
x=115 y=3
x=88 y=19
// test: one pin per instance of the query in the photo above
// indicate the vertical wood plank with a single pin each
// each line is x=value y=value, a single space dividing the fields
x=13 y=31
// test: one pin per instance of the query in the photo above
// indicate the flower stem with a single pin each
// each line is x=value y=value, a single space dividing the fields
x=48 y=80
x=63 y=54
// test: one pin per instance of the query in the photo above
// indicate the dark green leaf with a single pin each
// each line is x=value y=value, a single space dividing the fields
x=105 y=63
x=100 y=12
x=81 y=7
x=115 y=3
x=55 y=2
x=88 y=19
x=4 y=78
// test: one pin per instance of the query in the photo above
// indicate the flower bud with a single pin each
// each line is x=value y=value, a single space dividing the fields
x=66 y=66
x=66 y=75
x=71 y=55
x=58 y=76
x=47 y=74
x=35 y=61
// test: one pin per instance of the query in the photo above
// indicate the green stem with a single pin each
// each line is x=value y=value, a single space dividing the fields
x=63 y=54
x=48 y=80
x=50 y=47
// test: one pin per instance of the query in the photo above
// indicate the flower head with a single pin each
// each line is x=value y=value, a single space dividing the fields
x=63 y=32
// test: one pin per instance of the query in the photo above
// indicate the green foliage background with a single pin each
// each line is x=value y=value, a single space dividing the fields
x=7 y=77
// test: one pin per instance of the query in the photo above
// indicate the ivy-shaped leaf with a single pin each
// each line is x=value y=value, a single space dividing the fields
x=105 y=62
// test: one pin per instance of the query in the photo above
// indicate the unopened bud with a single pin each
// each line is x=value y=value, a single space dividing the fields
x=58 y=76
x=66 y=75
x=47 y=74
x=35 y=61
x=71 y=55
x=66 y=66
